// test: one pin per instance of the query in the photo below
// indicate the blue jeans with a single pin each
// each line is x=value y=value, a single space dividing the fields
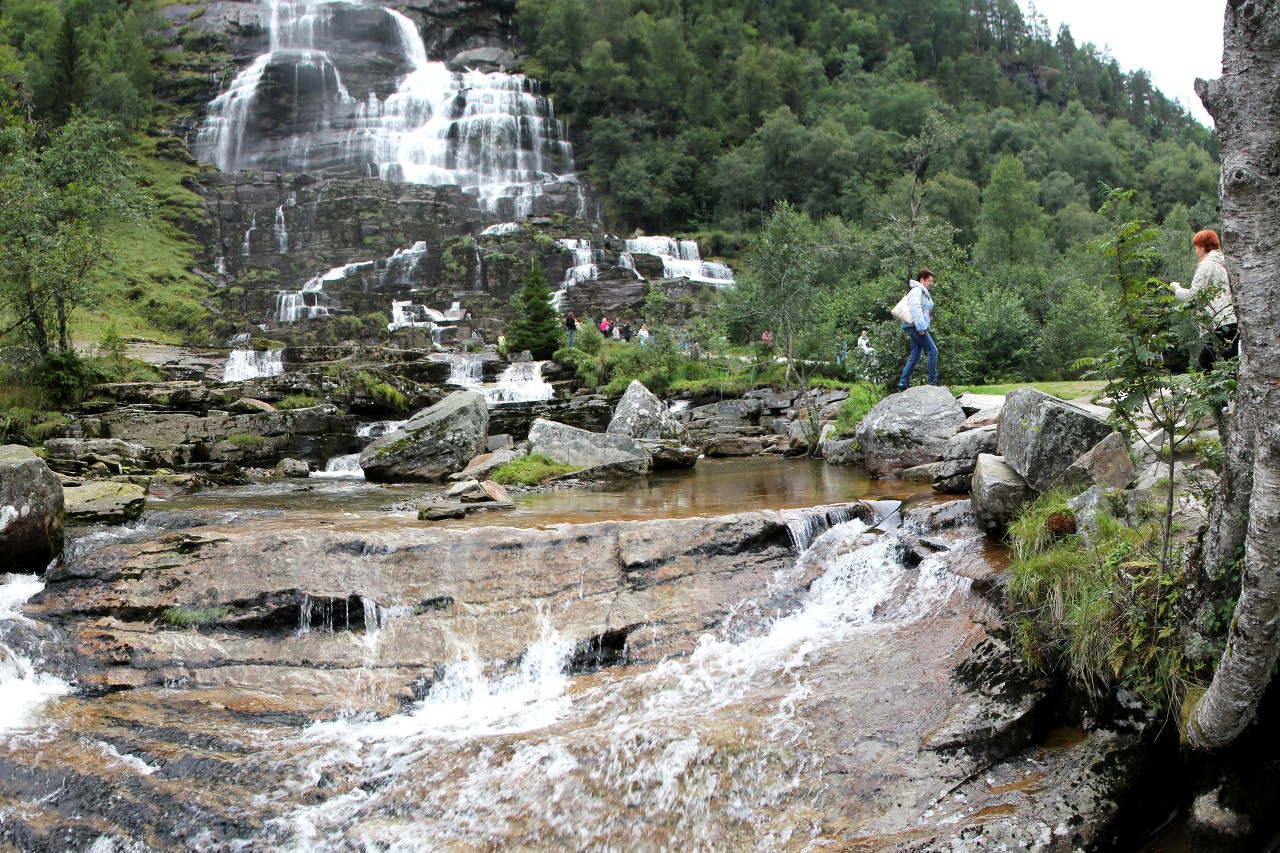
x=920 y=342
x=571 y=331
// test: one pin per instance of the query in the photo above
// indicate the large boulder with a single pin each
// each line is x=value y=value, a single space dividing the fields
x=997 y=493
x=31 y=505
x=640 y=414
x=1107 y=463
x=1040 y=436
x=669 y=454
x=909 y=429
x=105 y=502
x=602 y=454
x=954 y=473
x=432 y=444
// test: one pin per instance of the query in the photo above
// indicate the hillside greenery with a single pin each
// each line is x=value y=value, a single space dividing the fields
x=960 y=135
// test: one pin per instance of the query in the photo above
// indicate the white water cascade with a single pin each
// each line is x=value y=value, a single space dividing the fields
x=694 y=753
x=25 y=690
x=521 y=382
x=245 y=364
x=502 y=229
x=399 y=271
x=494 y=135
x=282 y=232
x=681 y=259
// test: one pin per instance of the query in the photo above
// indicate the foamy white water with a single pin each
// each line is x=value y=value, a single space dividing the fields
x=24 y=690
x=245 y=364
x=692 y=745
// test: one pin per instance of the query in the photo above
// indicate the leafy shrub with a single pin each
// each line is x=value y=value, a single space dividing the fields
x=530 y=471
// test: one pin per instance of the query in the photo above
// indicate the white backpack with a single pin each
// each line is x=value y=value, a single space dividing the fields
x=902 y=311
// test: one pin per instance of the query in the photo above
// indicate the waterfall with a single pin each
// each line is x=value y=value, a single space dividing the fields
x=399 y=271
x=502 y=229
x=466 y=370
x=694 y=753
x=478 y=283
x=495 y=135
x=347 y=466
x=681 y=259
x=220 y=265
x=245 y=364
x=521 y=382
x=248 y=235
x=24 y=689
x=626 y=260
x=282 y=232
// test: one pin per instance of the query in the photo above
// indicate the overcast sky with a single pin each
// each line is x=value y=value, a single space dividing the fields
x=1175 y=40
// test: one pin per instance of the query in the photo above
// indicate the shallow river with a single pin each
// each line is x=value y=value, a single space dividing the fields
x=744 y=743
x=714 y=487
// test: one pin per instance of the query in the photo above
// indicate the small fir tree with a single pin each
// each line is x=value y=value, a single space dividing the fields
x=536 y=326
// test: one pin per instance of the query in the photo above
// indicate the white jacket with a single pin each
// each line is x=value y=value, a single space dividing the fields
x=1211 y=272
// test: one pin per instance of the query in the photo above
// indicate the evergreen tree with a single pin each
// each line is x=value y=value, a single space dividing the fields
x=536 y=326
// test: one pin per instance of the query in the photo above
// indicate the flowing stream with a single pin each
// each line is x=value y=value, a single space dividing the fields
x=700 y=752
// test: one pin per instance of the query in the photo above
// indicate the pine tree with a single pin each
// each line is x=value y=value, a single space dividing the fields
x=536 y=326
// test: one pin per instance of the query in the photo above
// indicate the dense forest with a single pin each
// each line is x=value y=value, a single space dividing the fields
x=956 y=134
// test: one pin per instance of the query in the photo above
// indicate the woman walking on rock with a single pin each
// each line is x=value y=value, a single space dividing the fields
x=918 y=329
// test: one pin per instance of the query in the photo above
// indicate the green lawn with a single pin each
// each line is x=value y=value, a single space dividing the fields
x=1062 y=390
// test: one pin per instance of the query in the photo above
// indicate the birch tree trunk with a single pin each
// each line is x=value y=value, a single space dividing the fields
x=1245 y=104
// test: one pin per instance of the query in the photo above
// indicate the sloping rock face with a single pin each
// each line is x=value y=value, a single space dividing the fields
x=1039 y=436
x=602 y=454
x=914 y=731
x=31 y=505
x=640 y=414
x=678 y=574
x=909 y=429
x=433 y=444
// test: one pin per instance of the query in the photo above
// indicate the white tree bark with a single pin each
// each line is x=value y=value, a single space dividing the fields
x=1245 y=104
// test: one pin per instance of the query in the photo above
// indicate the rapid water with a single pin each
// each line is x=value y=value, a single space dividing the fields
x=704 y=752
x=520 y=382
x=24 y=689
x=495 y=135
x=681 y=259
x=244 y=364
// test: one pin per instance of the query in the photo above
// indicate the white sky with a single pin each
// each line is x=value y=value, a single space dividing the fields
x=1175 y=40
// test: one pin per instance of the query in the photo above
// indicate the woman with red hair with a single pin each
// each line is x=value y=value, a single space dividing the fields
x=1211 y=289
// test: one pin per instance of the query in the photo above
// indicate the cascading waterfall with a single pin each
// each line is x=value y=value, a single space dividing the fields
x=282 y=232
x=585 y=267
x=25 y=690
x=694 y=753
x=245 y=364
x=399 y=271
x=246 y=242
x=466 y=370
x=681 y=259
x=494 y=135
x=521 y=382
x=502 y=229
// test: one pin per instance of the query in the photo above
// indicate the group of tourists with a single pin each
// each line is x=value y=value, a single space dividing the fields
x=618 y=331
x=1210 y=285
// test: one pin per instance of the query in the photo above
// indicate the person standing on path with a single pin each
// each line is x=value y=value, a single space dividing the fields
x=1218 y=325
x=571 y=323
x=921 y=303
